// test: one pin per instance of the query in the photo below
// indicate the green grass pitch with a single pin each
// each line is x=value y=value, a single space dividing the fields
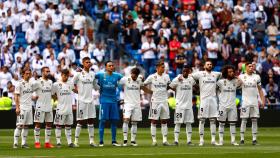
x=269 y=140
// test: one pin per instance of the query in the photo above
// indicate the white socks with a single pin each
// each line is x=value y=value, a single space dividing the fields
x=68 y=133
x=254 y=128
x=154 y=132
x=164 y=132
x=17 y=134
x=37 y=134
x=91 y=133
x=189 y=132
x=177 y=132
x=243 y=128
x=232 y=129
x=133 y=131
x=201 y=129
x=24 y=134
x=77 y=132
x=213 y=130
x=58 y=135
x=221 y=132
x=125 y=130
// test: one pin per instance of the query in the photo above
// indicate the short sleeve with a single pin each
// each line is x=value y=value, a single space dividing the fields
x=148 y=80
x=174 y=83
x=259 y=80
x=192 y=81
x=122 y=81
x=17 y=88
x=76 y=78
x=195 y=75
x=219 y=83
x=54 y=89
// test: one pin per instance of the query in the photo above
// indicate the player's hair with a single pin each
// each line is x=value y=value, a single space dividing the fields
x=43 y=68
x=188 y=68
x=109 y=61
x=160 y=63
x=65 y=72
x=23 y=70
x=225 y=70
x=248 y=63
x=135 y=71
x=85 y=58
x=208 y=60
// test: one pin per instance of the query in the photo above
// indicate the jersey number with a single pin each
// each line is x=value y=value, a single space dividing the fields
x=221 y=113
x=179 y=115
x=243 y=109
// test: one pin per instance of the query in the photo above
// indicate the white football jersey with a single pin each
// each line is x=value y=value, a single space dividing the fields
x=85 y=82
x=64 y=95
x=250 y=91
x=25 y=90
x=132 y=90
x=43 y=89
x=158 y=86
x=207 y=83
x=184 y=91
x=227 y=93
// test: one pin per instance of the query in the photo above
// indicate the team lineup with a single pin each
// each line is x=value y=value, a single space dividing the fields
x=217 y=97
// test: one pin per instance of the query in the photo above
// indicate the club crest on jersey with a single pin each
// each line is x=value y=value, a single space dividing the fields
x=225 y=82
x=60 y=85
x=42 y=82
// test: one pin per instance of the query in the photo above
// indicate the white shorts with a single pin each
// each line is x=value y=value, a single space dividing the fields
x=25 y=118
x=159 y=111
x=183 y=116
x=132 y=112
x=42 y=116
x=249 y=112
x=63 y=119
x=85 y=111
x=229 y=114
x=208 y=108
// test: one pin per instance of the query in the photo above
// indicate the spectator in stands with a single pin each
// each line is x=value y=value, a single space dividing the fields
x=259 y=31
x=174 y=46
x=271 y=83
x=37 y=64
x=46 y=33
x=273 y=49
x=68 y=17
x=180 y=60
x=212 y=50
x=32 y=34
x=52 y=63
x=148 y=49
x=79 y=41
x=99 y=53
x=103 y=28
x=272 y=97
x=79 y=22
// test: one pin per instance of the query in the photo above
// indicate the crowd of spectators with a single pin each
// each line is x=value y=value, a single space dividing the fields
x=59 y=33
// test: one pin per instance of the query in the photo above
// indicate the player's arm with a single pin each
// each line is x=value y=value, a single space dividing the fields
x=95 y=85
x=17 y=104
x=146 y=90
x=173 y=85
x=75 y=82
x=262 y=96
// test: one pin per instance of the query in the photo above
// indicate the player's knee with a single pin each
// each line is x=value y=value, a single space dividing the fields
x=48 y=125
x=37 y=125
x=244 y=120
x=202 y=121
x=163 y=121
x=90 y=121
x=232 y=123
x=254 y=120
x=134 y=123
x=222 y=123
x=212 y=120
x=153 y=121
x=126 y=120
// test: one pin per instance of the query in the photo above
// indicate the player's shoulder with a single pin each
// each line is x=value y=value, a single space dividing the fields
x=216 y=73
